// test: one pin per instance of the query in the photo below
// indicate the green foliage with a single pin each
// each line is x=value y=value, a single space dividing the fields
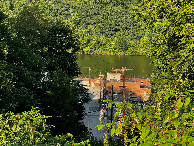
x=26 y=128
x=5 y=76
x=102 y=27
x=147 y=127
x=168 y=116
x=38 y=70
x=30 y=128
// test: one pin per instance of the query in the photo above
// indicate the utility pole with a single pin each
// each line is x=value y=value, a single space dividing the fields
x=122 y=70
x=111 y=114
x=101 y=75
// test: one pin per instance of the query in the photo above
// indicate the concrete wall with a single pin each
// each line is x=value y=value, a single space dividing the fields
x=113 y=76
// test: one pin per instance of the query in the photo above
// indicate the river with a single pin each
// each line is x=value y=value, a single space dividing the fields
x=105 y=63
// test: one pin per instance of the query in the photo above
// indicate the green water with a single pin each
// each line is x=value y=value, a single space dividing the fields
x=105 y=63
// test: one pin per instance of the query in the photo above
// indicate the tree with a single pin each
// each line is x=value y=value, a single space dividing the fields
x=168 y=117
x=43 y=70
x=25 y=67
x=5 y=76
x=103 y=27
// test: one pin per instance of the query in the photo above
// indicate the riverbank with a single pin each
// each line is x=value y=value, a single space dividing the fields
x=113 y=54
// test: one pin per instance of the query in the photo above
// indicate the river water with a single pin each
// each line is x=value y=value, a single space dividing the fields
x=105 y=63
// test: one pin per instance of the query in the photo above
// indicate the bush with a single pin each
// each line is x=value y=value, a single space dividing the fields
x=30 y=128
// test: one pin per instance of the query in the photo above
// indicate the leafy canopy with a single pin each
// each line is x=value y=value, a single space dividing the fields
x=38 y=70
x=168 y=116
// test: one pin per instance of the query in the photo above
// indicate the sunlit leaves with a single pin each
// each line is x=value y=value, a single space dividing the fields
x=145 y=131
x=30 y=128
x=168 y=116
x=109 y=20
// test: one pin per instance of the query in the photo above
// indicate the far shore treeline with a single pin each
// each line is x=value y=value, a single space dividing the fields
x=102 y=26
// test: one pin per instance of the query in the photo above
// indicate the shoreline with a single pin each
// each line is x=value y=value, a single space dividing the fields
x=108 y=55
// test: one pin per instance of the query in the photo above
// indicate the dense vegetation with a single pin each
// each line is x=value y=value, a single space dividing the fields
x=37 y=70
x=38 y=40
x=168 y=117
x=102 y=26
x=30 y=128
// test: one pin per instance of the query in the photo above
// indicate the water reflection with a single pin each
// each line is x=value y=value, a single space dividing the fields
x=104 y=64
